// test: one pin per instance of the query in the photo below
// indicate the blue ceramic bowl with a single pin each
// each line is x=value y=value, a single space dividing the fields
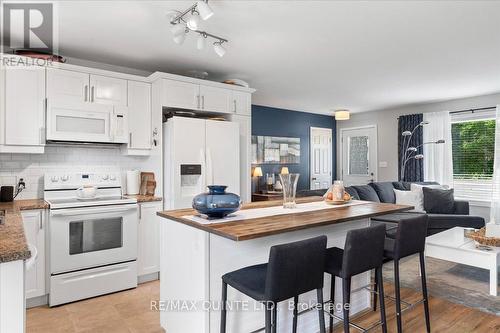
x=216 y=203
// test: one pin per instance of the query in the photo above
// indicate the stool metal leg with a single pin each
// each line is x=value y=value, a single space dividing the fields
x=380 y=288
x=332 y=304
x=295 y=313
x=321 y=314
x=275 y=317
x=269 y=323
x=424 y=292
x=398 y=296
x=375 y=293
x=346 y=301
x=223 y=313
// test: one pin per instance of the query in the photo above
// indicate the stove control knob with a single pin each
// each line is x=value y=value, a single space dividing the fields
x=105 y=177
x=112 y=177
x=54 y=179
x=65 y=178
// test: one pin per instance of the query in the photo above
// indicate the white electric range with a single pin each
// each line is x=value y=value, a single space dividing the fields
x=93 y=242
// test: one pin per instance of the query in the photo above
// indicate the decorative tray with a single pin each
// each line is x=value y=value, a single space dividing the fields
x=337 y=202
x=479 y=236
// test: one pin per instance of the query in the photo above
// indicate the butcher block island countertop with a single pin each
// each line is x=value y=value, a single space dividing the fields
x=246 y=229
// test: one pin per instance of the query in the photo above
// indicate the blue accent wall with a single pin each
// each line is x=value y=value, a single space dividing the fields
x=268 y=121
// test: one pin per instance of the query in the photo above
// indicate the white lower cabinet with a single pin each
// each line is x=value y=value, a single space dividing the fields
x=148 y=258
x=34 y=226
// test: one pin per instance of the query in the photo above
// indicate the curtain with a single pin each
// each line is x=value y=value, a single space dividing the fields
x=495 y=201
x=414 y=170
x=438 y=160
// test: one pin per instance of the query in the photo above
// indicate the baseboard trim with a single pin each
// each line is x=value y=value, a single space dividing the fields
x=148 y=277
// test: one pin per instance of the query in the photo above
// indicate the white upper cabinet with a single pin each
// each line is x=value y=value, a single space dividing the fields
x=178 y=94
x=241 y=103
x=139 y=115
x=22 y=109
x=67 y=86
x=108 y=90
x=215 y=99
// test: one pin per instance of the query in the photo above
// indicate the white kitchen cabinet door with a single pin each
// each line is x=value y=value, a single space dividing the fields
x=241 y=103
x=223 y=154
x=67 y=86
x=215 y=99
x=34 y=227
x=108 y=90
x=139 y=116
x=245 y=123
x=184 y=95
x=24 y=106
x=148 y=260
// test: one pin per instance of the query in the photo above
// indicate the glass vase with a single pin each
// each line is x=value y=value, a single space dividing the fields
x=289 y=184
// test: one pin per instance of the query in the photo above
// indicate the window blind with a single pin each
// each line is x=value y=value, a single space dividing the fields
x=473 y=148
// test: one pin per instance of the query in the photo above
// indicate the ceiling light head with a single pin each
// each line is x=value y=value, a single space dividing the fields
x=179 y=39
x=419 y=157
x=193 y=21
x=200 y=42
x=178 y=29
x=219 y=49
x=425 y=122
x=342 y=115
x=204 y=9
x=440 y=141
x=411 y=149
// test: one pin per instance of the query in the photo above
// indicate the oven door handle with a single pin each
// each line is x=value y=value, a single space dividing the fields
x=72 y=212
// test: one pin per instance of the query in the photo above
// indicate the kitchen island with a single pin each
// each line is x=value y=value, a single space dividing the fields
x=195 y=253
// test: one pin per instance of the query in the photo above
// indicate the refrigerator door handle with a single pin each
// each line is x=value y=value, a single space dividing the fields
x=203 y=170
x=210 y=172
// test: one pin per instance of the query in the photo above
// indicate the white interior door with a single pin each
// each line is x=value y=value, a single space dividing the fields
x=359 y=155
x=223 y=154
x=321 y=158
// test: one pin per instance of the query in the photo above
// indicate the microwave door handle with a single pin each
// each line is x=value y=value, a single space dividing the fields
x=72 y=212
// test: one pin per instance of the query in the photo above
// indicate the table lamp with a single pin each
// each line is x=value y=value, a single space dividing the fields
x=257 y=172
x=284 y=171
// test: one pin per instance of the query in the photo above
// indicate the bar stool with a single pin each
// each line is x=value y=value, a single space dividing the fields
x=408 y=240
x=293 y=269
x=363 y=251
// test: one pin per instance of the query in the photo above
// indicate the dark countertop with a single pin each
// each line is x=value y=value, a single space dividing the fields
x=13 y=245
x=271 y=225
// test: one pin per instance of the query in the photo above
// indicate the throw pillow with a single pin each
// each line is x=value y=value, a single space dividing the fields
x=410 y=198
x=438 y=201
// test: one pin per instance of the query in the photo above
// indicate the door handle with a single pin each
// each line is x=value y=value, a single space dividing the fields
x=203 y=102
x=198 y=102
x=234 y=103
x=130 y=139
x=92 y=95
x=313 y=178
x=86 y=93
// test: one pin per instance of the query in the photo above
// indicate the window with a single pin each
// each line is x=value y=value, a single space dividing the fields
x=473 y=147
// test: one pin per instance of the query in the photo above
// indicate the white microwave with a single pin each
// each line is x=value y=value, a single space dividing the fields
x=86 y=122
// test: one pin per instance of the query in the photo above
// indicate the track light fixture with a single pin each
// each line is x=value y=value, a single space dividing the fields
x=189 y=20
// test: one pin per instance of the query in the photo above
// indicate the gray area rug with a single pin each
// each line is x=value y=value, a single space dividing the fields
x=457 y=283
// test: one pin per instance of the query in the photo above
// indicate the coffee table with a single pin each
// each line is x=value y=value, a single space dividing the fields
x=452 y=245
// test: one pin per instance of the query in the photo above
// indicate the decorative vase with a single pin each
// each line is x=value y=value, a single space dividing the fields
x=338 y=190
x=217 y=203
x=289 y=184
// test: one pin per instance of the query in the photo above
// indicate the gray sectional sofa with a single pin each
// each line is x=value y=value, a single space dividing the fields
x=384 y=192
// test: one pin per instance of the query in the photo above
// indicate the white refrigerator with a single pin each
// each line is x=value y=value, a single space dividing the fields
x=196 y=153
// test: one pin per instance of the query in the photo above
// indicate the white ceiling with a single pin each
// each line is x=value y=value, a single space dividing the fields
x=310 y=56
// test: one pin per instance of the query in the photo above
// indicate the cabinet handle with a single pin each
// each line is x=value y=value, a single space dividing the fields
x=40 y=224
x=130 y=139
x=92 y=94
x=234 y=103
x=140 y=213
x=86 y=97
x=203 y=102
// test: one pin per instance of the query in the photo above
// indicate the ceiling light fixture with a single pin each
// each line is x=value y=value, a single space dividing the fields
x=205 y=11
x=219 y=49
x=193 y=21
x=189 y=20
x=342 y=115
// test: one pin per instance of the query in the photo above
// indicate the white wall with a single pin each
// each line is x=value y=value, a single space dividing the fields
x=387 y=124
x=32 y=167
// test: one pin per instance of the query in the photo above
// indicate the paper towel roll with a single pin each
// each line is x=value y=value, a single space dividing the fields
x=133 y=181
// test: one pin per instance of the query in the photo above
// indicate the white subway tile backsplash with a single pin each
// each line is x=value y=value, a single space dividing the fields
x=32 y=167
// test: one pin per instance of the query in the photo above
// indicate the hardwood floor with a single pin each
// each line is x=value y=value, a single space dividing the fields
x=129 y=312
